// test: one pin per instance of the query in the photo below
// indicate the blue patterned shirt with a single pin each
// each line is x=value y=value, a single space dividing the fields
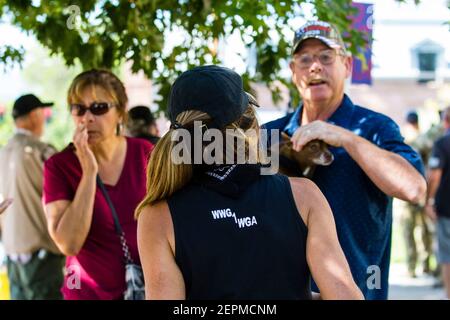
x=363 y=213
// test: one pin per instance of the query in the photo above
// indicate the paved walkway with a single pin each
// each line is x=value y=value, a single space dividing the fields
x=402 y=287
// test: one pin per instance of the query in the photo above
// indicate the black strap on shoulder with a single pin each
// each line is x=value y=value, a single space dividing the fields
x=118 y=227
x=111 y=206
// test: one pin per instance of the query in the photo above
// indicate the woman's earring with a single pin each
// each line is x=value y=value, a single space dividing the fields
x=119 y=128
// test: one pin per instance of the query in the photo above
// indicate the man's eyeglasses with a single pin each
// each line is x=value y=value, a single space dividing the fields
x=326 y=57
x=96 y=108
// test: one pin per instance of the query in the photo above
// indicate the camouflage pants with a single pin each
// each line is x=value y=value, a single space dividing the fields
x=40 y=278
x=413 y=216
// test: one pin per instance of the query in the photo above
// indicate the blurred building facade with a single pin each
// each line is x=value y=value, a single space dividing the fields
x=410 y=60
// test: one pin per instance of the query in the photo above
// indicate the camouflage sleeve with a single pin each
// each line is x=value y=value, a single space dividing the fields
x=425 y=141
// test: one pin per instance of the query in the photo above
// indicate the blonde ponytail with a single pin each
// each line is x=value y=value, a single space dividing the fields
x=164 y=177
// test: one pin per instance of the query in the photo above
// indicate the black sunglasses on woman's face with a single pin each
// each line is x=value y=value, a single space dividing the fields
x=96 y=108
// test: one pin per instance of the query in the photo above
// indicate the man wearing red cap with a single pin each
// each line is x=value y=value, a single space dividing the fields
x=372 y=163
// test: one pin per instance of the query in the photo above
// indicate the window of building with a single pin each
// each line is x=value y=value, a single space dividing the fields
x=426 y=58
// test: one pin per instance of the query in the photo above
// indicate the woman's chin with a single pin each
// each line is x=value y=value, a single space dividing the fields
x=93 y=139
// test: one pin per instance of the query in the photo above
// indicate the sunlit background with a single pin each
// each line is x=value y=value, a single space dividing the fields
x=410 y=71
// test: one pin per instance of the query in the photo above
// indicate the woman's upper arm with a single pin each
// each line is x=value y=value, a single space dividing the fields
x=163 y=278
x=325 y=257
x=58 y=195
x=54 y=212
x=57 y=184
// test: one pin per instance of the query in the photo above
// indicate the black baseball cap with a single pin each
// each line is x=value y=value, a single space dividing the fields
x=215 y=90
x=412 y=117
x=324 y=31
x=26 y=103
x=141 y=113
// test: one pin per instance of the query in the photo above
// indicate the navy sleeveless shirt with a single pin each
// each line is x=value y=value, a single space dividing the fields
x=252 y=246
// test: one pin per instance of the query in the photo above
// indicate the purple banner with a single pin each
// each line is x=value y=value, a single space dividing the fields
x=363 y=22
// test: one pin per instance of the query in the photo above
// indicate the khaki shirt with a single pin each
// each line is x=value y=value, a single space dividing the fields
x=23 y=224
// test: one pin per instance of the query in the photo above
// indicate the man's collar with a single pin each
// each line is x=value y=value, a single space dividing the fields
x=340 y=117
x=343 y=113
x=294 y=122
x=23 y=131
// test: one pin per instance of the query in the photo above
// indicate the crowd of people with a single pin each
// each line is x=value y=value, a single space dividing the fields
x=117 y=200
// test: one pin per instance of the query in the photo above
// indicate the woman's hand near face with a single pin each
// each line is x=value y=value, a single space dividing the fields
x=69 y=222
x=85 y=155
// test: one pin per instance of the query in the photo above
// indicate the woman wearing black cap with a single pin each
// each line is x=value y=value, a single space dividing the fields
x=226 y=231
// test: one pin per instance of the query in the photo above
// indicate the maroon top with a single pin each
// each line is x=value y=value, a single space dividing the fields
x=98 y=270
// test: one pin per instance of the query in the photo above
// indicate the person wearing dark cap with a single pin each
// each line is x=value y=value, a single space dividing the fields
x=372 y=163
x=142 y=124
x=34 y=263
x=413 y=118
x=224 y=231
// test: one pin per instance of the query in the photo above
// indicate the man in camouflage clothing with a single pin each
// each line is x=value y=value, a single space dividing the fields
x=413 y=215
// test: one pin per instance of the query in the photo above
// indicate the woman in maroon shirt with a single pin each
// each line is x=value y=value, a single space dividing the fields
x=79 y=218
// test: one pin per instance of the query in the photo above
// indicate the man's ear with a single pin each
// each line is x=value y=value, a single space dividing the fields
x=292 y=67
x=348 y=66
x=32 y=115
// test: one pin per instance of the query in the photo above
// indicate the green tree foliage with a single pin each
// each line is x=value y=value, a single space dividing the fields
x=6 y=125
x=105 y=33
x=49 y=78
x=10 y=55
